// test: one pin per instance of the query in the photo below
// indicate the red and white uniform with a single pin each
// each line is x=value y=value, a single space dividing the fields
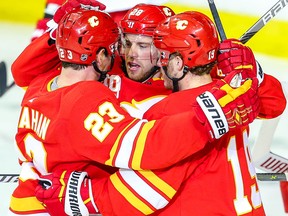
x=218 y=180
x=82 y=125
x=163 y=184
x=136 y=97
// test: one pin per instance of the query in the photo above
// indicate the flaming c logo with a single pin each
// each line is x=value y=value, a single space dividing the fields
x=181 y=24
x=93 y=21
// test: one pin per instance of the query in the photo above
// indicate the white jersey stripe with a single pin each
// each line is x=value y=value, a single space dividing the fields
x=143 y=189
x=125 y=151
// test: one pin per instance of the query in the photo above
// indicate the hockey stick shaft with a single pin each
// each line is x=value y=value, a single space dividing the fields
x=13 y=178
x=3 y=78
x=9 y=178
x=275 y=9
x=217 y=20
x=272 y=176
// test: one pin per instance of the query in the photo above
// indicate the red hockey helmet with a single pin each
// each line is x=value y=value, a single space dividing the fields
x=192 y=34
x=143 y=18
x=82 y=32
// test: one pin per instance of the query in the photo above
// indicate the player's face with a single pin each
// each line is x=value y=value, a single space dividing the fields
x=140 y=56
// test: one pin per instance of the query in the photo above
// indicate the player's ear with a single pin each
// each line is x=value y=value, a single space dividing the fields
x=179 y=63
x=101 y=55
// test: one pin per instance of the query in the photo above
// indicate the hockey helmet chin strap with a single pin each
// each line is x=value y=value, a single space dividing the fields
x=152 y=72
x=103 y=73
x=174 y=79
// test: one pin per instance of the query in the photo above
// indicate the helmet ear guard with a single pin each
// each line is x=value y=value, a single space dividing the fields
x=82 y=32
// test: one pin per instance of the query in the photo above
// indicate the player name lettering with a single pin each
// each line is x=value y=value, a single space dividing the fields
x=276 y=8
x=72 y=193
x=34 y=120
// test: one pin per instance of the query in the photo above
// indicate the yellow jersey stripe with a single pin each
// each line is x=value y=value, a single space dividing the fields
x=138 y=153
x=63 y=185
x=131 y=198
x=25 y=204
x=159 y=183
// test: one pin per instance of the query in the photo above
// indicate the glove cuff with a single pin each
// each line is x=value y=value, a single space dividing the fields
x=214 y=114
x=74 y=204
x=88 y=197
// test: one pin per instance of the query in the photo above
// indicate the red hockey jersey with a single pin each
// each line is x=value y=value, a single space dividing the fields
x=218 y=180
x=134 y=97
x=84 y=124
x=215 y=181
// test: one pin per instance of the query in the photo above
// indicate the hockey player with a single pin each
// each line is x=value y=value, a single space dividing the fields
x=188 y=44
x=184 y=41
x=72 y=120
x=136 y=97
x=141 y=85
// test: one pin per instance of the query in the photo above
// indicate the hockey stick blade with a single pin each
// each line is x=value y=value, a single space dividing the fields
x=272 y=12
x=9 y=178
x=272 y=176
x=3 y=78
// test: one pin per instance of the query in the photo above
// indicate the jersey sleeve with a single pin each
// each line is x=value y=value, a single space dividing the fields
x=271 y=93
x=141 y=192
x=37 y=58
x=23 y=200
x=109 y=135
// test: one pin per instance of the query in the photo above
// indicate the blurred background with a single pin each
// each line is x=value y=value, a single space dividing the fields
x=18 y=20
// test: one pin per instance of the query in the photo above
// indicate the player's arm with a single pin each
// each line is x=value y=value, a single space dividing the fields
x=48 y=13
x=269 y=96
x=126 y=187
x=126 y=142
x=37 y=58
x=141 y=192
x=23 y=200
